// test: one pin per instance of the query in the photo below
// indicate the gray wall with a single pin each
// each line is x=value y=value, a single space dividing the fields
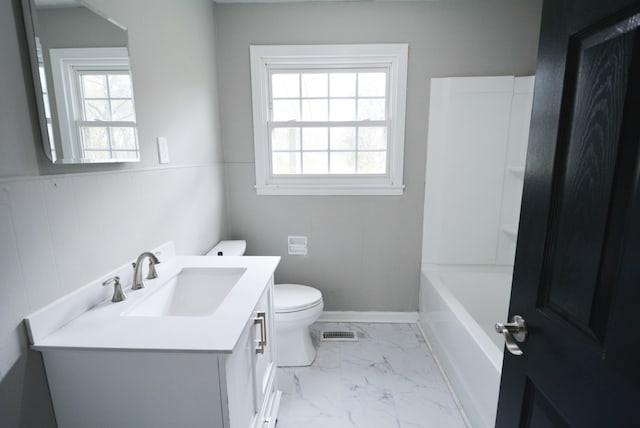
x=62 y=226
x=364 y=251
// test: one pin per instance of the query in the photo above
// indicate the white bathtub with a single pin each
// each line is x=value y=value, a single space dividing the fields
x=458 y=307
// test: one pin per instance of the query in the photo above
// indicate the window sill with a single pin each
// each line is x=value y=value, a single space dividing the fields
x=329 y=190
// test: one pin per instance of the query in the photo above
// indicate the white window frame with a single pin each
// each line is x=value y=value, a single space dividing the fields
x=295 y=57
x=65 y=64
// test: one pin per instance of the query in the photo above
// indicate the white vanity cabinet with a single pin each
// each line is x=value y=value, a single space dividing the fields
x=250 y=371
x=107 y=368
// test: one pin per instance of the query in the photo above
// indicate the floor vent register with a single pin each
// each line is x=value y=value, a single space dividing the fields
x=339 y=336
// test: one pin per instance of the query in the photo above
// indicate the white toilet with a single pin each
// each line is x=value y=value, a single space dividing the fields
x=296 y=307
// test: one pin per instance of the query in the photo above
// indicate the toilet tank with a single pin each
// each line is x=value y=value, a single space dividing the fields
x=229 y=248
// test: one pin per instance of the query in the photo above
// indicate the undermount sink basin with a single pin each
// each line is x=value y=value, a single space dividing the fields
x=193 y=292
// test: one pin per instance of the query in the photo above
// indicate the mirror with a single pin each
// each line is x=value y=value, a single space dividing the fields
x=83 y=84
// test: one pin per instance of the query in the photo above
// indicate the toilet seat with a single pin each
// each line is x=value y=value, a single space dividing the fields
x=295 y=298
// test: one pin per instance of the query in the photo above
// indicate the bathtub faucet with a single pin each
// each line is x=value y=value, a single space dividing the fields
x=137 y=269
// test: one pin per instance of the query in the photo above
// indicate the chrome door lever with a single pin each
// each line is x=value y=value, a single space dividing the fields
x=514 y=331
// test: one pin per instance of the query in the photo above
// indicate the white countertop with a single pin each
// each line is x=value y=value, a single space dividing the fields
x=105 y=327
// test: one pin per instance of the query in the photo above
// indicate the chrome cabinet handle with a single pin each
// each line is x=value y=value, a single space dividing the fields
x=514 y=331
x=263 y=315
x=262 y=320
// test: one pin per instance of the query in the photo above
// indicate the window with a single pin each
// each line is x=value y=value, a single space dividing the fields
x=329 y=119
x=96 y=109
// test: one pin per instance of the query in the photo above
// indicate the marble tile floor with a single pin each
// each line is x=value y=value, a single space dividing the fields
x=387 y=379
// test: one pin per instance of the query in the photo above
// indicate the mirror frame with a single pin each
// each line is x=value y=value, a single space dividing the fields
x=28 y=13
x=28 y=6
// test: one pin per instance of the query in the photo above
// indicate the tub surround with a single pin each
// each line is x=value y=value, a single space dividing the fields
x=478 y=136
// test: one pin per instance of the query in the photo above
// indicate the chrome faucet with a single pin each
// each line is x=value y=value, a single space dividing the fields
x=137 y=269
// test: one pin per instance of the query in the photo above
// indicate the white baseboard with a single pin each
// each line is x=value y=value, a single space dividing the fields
x=373 y=316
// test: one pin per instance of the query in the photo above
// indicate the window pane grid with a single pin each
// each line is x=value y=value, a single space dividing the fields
x=353 y=149
x=105 y=99
x=350 y=103
x=319 y=98
x=100 y=137
x=109 y=151
x=325 y=151
x=84 y=96
x=98 y=131
x=288 y=96
x=332 y=124
x=108 y=92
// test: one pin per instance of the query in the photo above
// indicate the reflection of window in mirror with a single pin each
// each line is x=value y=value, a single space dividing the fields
x=96 y=113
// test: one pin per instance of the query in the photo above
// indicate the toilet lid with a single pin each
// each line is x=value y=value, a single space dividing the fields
x=295 y=297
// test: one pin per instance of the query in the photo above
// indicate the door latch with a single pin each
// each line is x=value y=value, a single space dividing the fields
x=516 y=330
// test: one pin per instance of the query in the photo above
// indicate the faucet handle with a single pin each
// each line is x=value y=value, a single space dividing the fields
x=152 y=270
x=118 y=292
x=153 y=261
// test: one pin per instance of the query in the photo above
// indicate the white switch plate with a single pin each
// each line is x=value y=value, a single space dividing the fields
x=163 y=149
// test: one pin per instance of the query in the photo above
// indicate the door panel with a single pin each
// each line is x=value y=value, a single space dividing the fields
x=577 y=269
x=588 y=141
x=538 y=411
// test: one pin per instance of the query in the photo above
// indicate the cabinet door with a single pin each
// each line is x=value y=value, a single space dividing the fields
x=239 y=366
x=264 y=367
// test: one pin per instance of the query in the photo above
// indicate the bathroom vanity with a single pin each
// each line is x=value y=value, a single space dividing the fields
x=194 y=347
